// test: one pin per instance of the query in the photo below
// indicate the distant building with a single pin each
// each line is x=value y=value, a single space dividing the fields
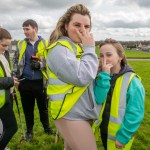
x=134 y=45
x=144 y=46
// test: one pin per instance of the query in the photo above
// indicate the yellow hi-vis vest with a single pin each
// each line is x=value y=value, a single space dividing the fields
x=41 y=52
x=117 y=111
x=63 y=96
x=2 y=92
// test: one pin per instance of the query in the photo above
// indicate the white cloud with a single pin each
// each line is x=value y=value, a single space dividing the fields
x=119 y=19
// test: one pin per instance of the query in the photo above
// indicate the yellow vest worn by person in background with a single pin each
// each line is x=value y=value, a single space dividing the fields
x=41 y=52
x=117 y=112
x=2 y=92
x=63 y=96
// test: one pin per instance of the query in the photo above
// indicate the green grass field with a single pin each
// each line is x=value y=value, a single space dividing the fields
x=46 y=142
x=142 y=137
x=131 y=53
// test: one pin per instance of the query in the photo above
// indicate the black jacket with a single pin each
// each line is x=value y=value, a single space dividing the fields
x=6 y=82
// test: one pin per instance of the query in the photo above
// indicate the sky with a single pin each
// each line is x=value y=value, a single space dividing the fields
x=123 y=20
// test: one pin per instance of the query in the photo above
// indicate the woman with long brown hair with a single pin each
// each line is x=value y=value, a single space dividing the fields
x=72 y=67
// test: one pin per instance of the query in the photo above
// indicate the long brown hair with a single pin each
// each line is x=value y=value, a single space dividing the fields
x=119 y=48
x=65 y=19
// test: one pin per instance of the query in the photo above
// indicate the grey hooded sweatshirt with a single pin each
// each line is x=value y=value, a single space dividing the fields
x=64 y=64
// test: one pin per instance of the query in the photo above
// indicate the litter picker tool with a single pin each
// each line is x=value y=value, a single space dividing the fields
x=21 y=124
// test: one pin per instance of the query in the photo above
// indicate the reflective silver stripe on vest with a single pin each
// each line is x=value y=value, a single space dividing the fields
x=111 y=137
x=122 y=102
x=59 y=96
x=56 y=81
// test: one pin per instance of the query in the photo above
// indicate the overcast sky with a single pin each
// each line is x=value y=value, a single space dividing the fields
x=119 y=19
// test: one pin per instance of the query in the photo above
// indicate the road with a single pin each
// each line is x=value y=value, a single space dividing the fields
x=142 y=59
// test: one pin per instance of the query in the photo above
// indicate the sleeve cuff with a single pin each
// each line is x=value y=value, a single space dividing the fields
x=122 y=139
x=104 y=75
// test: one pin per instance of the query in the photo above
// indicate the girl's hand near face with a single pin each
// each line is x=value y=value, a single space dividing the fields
x=105 y=67
x=86 y=38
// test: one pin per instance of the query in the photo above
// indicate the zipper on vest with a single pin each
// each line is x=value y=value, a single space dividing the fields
x=90 y=98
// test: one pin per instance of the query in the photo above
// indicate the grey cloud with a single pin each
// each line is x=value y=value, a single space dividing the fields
x=8 y=6
x=140 y=3
x=143 y=3
x=10 y=22
x=39 y=5
x=122 y=24
x=63 y=3
x=116 y=20
x=132 y=25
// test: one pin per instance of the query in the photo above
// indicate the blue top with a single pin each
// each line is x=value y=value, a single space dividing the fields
x=134 y=109
x=28 y=73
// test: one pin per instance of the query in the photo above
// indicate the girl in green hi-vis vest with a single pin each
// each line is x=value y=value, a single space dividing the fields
x=123 y=110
